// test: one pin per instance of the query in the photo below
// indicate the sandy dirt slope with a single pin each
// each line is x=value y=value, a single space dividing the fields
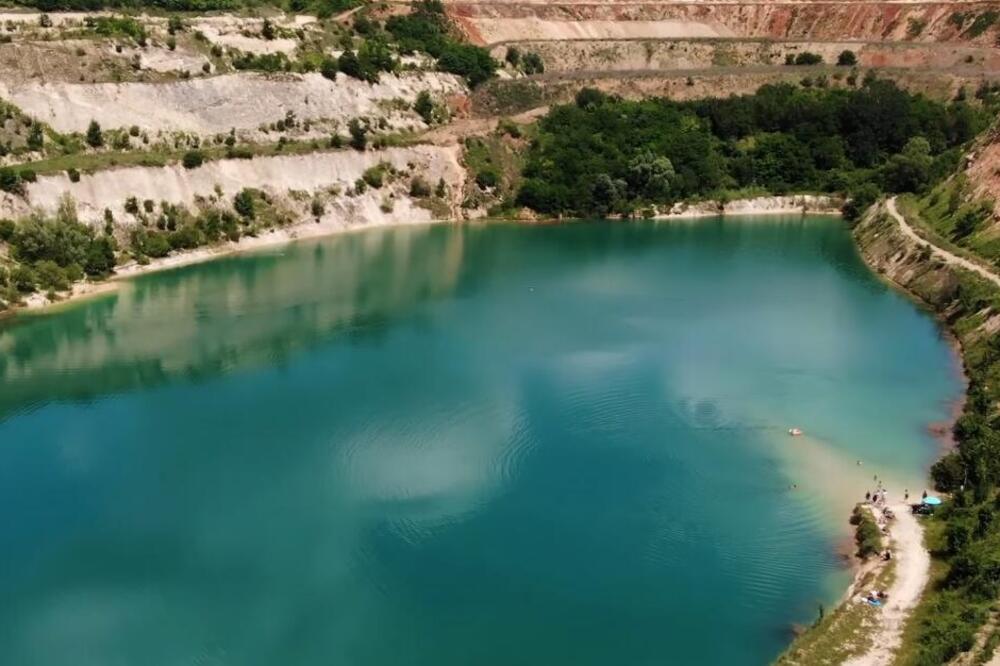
x=306 y=173
x=216 y=104
x=489 y=23
x=983 y=169
x=635 y=54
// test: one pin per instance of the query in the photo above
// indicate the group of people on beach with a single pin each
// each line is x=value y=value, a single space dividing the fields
x=879 y=501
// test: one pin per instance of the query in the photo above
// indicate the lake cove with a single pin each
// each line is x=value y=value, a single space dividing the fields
x=561 y=444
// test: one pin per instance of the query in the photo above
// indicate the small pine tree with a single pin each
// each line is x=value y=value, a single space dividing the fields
x=95 y=138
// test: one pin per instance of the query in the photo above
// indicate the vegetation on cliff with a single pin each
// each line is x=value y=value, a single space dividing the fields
x=605 y=155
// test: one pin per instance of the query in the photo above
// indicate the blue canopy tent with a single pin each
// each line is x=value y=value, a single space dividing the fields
x=932 y=501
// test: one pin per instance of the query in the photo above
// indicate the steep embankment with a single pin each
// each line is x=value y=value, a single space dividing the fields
x=217 y=104
x=330 y=175
x=653 y=55
x=489 y=23
x=983 y=170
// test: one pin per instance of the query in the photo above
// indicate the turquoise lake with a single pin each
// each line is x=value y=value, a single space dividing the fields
x=459 y=445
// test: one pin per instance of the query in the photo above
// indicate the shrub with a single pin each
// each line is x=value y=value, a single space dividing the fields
x=193 y=159
x=6 y=230
x=424 y=106
x=243 y=203
x=419 y=188
x=866 y=535
x=374 y=176
x=359 y=134
x=10 y=181
x=74 y=175
x=859 y=199
x=532 y=63
x=847 y=59
x=95 y=138
x=317 y=208
x=156 y=245
x=100 y=258
x=329 y=68
x=487 y=178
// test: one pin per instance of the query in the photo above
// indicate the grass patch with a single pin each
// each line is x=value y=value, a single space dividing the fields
x=844 y=633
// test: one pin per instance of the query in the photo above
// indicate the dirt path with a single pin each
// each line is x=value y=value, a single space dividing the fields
x=946 y=256
x=455 y=131
x=912 y=570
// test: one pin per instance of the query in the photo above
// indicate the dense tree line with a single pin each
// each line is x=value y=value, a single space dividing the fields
x=605 y=155
x=970 y=547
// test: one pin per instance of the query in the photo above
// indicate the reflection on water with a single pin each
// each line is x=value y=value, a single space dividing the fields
x=454 y=445
x=217 y=317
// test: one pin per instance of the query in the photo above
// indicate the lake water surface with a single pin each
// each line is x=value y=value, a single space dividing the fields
x=458 y=445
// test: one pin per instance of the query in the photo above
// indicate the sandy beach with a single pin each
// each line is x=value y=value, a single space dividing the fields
x=912 y=570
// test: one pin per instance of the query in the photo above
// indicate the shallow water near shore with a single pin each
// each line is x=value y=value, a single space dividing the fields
x=443 y=445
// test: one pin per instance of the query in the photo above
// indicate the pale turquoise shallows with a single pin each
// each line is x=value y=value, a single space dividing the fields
x=456 y=446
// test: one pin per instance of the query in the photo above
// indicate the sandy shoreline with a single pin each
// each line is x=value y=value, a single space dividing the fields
x=38 y=303
x=912 y=571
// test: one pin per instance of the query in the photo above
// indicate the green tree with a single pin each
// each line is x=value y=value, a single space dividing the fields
x=100 y=258
x=95 y=138
x=243 y=203
x=910 y=170
x=847 y=59
x=267 y=30
x=649 y=176
x=532 y=63
x=36 y=138
x=193 y=159
x=329 y=68
x=424 y=106
x=359 y=134
x=513 y=56
x=859 y=199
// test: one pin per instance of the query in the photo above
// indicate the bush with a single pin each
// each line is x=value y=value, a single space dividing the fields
x=95 y=138
x=74 y=175
x=867 y=535
x=243 y=203
x=374 y=176
x=424 y=106
x=317 y=208
x=532 y=63
x=859 y=199
x=156 y=245
x=193 y=159
x=472 y=62
x=804 y=58
x=6 y=230
x=359 y=134
x=487 y=178
x=847 y=59
x=100 y=258
x=419 y=188
x=10 y=181
x=328 y=68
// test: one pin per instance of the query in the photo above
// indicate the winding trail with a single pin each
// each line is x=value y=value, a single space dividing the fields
x=913 y=564
x=942 y=254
